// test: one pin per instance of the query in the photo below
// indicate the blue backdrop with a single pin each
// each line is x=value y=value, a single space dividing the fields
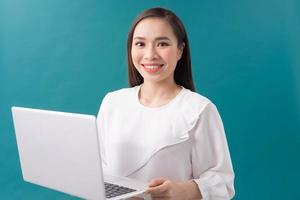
x=66 y=55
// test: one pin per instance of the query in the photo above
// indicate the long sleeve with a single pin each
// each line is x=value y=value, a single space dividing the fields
x=101 y=127
x=211 y=162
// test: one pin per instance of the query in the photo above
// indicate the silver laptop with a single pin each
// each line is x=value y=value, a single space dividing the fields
x=60 y=151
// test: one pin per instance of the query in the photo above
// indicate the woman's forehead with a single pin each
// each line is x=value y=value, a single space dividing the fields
x=153 y=28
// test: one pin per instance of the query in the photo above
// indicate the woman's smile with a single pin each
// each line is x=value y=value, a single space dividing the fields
x=152 y=67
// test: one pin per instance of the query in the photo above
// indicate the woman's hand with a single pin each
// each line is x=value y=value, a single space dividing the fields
x=163 y=189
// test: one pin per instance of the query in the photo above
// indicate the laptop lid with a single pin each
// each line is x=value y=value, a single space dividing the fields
x=60 y=151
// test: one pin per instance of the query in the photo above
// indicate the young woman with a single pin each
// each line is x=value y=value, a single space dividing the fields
x=159 y=129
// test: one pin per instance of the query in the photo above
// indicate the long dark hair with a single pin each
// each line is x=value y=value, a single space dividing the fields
x=183 y=72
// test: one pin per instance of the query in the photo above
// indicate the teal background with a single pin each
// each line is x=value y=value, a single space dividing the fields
x=66 y=55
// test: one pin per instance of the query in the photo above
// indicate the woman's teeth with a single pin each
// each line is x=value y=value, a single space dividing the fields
x=152 y=68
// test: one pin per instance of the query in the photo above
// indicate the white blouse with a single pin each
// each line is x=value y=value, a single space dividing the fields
x=181 y=140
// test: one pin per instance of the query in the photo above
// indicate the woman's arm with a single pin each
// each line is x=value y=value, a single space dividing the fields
x=211 y=162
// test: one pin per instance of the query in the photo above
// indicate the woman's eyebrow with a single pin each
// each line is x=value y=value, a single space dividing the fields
x=139 y=38
x=162 y=38
x=157 y=38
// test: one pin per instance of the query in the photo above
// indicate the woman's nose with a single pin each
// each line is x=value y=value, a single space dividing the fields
x=150 y=53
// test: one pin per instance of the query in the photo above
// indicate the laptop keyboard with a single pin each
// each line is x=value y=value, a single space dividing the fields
x=112 y=190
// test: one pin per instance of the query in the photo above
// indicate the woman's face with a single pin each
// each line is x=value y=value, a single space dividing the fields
x=155 y=50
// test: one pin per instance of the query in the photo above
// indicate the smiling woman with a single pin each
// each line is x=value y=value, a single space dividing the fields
x=160 y=130
x=155 y=51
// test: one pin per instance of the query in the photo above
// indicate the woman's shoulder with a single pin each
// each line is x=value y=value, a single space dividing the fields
x=119 y=97
x=195 y=99
x=121 y=93
x=193 y=104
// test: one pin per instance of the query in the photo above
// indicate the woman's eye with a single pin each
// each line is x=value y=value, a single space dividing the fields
x=139 y=44
x=163 y=44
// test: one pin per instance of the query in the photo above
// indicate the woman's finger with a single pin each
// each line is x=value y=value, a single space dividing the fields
x=163 y=188
x=156 y=182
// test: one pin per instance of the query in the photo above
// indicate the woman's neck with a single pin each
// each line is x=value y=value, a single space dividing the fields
x=157 y=94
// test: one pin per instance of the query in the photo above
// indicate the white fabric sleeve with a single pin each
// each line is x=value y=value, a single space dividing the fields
x=211 y=162
x=101 y=127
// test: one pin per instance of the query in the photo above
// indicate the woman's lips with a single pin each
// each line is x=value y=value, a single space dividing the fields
x=152 y=68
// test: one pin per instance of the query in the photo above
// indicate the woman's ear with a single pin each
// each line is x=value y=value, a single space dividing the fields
x=180 y=50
